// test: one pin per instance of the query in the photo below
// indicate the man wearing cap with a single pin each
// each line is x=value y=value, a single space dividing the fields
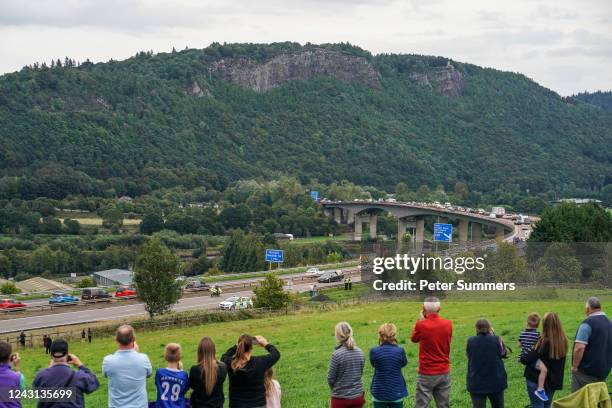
x=59 y=374
x=127 y=371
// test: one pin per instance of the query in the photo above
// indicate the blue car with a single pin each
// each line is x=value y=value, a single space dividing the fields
x=62 y=298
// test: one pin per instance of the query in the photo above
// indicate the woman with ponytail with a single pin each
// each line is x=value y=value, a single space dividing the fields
x=345 y=370
x=207 y=377
x=247 y=373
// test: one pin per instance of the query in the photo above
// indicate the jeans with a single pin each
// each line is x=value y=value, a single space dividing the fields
x=433 y=386
x=380 y=404
x=480 y=400
x=535 y=401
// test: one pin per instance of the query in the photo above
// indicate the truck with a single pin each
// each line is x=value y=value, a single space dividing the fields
x=522 y=219
x=498 y=211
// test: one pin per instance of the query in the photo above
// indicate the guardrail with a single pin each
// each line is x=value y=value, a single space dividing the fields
x=51 y=306
x=229 y=287
x=33 y=340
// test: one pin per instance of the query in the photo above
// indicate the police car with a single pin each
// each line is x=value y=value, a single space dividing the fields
x=236 y=303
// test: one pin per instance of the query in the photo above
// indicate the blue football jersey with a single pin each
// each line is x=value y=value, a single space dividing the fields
x=171 y=388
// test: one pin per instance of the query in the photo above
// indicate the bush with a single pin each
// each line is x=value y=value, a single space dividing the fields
x=86 y=282
x=270 y=293
x=9 y=288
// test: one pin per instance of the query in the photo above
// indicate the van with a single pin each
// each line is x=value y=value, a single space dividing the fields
x=94 y=293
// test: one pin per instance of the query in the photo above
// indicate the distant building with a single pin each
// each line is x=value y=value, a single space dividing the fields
x=112 y=277
x=124 y=200
x=578 y=201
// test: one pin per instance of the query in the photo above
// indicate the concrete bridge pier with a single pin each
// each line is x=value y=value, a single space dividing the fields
x=349 y=217
x=358 y=228
x=419 y=234
x=338 y=215
x=373 y=224
x=476 y=232
x=464 y=226
x=499 y=233
x=402 y=225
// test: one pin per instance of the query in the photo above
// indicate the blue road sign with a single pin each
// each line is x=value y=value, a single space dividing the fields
x=443 y=232
x=314 y=195
x=275 y=255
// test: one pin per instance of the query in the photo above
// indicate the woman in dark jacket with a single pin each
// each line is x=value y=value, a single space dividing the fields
x=207 y=377
x=551 y=349
x=247 y=373
x=388 y=385
x=486 y=375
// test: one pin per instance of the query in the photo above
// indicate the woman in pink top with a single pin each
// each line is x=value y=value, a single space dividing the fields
x=273 y=390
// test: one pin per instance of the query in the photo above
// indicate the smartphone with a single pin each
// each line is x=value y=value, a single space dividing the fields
x=13 y=357
x=255 y=341
x=69 y=358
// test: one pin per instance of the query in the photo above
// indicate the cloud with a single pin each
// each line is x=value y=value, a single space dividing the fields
x=525 y=36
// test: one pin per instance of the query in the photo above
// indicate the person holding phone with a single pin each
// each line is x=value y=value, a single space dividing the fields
x=247 y=373
x=127 y=371
x=10 y=374
x=60 y=375
x=434 y=337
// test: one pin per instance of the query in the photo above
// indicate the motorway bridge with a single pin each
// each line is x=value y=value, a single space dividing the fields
x=472 y=226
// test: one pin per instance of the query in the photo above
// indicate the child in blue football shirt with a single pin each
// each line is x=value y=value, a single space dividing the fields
x=172 y=382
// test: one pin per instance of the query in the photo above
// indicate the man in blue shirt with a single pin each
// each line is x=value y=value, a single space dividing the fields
x=127 y=371
x=592 y=359
x=172 y=382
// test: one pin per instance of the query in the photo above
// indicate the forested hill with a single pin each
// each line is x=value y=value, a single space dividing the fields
x=205 y=117
x=599 y=98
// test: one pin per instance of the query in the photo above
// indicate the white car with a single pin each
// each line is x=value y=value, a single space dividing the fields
x=314 y=272
x=236 y=303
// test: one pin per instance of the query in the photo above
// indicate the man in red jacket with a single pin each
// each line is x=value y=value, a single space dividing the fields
x=434 y=337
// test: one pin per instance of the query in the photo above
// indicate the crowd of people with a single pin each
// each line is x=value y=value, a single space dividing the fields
x=252 y=383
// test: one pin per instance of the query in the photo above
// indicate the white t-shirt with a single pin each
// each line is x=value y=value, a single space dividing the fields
x=273 y=400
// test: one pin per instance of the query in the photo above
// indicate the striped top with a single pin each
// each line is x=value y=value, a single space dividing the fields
x=345 y=371
x=388 y=383
x=528 y=338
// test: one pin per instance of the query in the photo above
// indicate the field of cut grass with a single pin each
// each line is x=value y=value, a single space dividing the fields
x=310 y=240
x=96 y=221
x=306 y=342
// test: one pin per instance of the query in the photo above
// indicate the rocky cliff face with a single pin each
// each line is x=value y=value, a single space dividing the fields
x=306 y=65
x=446 y=80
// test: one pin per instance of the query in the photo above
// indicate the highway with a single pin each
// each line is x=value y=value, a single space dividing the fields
x=68 y=315
x=76 y=316
x=246 y=281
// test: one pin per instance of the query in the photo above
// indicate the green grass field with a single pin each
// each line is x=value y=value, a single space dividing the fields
x=306 y=342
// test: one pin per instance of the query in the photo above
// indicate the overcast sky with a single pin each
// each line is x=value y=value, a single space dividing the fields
x=565 y=45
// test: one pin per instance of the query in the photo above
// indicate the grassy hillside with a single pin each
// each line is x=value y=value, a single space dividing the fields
x=306 y=342
x=133 y=126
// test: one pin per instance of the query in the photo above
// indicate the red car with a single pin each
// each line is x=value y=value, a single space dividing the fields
x=123 y=292
x=11 y=304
